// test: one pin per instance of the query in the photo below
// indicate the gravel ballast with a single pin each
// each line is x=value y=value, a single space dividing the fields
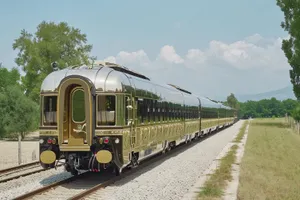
x=17 y=187
x=171 y=178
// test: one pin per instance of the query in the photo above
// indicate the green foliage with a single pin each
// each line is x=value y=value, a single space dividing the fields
x=232 y=101
x=296 y=113
x=267 y=108
x=18 y=114
x=291 y=46
x=8 y=78
x=51 y=43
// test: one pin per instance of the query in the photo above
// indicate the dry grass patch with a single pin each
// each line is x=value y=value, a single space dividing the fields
x=241 y=133
x=270 y=167
x=214 y=186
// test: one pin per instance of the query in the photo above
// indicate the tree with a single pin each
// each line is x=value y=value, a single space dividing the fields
x=51 y=43
x=267 y=108
x=8 y=78
x=296 y=116
x=296 y=113
x=289 y=105
x=18 y=114
x=232 y=101
x=291 y=46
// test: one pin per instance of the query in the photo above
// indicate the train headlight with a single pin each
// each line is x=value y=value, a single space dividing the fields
x=41 y=141
x=117 y=141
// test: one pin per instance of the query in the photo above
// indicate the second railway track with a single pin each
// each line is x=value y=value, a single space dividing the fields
x=17 y=168
x=85 y=184
x=20 y=171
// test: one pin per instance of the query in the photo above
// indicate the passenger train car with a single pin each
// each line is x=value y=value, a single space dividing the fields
x=107 y=116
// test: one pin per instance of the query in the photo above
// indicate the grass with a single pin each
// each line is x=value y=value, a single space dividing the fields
x=270 y=168
x=241 y=133
x=214 y=186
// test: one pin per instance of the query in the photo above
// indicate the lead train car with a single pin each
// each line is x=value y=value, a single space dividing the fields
x=107 y=116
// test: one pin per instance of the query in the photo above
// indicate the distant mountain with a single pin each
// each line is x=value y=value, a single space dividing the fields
x=280 y=94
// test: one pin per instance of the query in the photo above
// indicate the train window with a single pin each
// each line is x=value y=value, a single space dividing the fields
x=167 y=118
x=106 y=113
x=158 y=111
x=140 y=110
x=162 y=111
x=154 y=114
x=169 y=111
x=78 y=106
x=149 y=110
x=49 y=108
x=147 y=106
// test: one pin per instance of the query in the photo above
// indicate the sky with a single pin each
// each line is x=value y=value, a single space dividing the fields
x=209 y=47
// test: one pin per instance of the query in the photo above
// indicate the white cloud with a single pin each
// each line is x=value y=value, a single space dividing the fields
x=137 y=57
x=110 y=59
x=255 y=64
x=169 y=55
x=196 y=56
x=253 y=52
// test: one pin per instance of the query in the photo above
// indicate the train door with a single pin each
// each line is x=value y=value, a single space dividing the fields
x=75 y=115
x=130 y=108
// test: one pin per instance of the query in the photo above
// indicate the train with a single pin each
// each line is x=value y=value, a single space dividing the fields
x=105 y=116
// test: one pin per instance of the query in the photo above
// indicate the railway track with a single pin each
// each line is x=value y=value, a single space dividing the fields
x=67 y=187
x=18 y=168
x=21 y=171
x=85 y=184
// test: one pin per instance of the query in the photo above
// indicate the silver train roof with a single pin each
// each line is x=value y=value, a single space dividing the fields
x=110 y=77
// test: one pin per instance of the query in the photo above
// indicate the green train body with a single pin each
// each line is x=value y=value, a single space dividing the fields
x=109 y=117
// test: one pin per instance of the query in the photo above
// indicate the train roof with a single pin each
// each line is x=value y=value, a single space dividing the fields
x=114 y=78
x=205 y=102
x=103 y=78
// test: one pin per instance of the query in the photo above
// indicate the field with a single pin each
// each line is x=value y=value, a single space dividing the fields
x=270 y=168
x=9 y=153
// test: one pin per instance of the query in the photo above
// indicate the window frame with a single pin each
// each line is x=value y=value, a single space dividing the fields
x=42 y=109
x=97 y=106
x=72 y=95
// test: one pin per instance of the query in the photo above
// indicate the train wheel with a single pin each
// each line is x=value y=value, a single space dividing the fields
x=134 y=160
x=116 y=171
x=52 y=165
x=166 y=147
x=67 y=168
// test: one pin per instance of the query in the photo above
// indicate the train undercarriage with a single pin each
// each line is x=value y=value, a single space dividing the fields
x=104 y=155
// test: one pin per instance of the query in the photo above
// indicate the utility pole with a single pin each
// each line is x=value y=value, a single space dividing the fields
x=19 y=149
